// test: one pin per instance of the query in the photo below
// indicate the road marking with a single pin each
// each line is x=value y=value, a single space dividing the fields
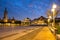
x=8 y=36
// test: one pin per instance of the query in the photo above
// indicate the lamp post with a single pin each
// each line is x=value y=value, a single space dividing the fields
x=54 y=14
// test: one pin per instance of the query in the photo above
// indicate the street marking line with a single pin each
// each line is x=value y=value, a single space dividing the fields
x=8 y=36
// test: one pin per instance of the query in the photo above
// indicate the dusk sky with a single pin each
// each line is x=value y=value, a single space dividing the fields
x=21 y=9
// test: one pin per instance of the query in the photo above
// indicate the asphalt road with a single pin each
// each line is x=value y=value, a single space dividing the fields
x=31 y=33
x=10 y=33
x=39 y=34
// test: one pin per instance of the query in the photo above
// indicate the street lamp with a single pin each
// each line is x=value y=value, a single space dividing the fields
x=54 y=13
x=54 y=6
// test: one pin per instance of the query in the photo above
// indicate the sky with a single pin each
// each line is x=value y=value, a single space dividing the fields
x=20 y=9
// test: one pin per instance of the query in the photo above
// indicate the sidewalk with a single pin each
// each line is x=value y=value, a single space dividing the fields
x=45 y=34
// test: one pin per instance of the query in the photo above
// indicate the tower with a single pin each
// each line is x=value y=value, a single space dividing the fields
x=13 y=20
x=5 y=18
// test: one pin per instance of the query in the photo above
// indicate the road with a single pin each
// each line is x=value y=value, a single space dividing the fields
x=10 y=33
x=30 y=33
x=40 y=34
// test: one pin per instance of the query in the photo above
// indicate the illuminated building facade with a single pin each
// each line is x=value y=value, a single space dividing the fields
x=5 y=18
x=7 y=21
x=27 y=21
x=39 y=21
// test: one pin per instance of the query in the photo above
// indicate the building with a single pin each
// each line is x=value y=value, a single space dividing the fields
x=5 y=18
x=26 y=22
x=39 y=21
x=6 y=21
